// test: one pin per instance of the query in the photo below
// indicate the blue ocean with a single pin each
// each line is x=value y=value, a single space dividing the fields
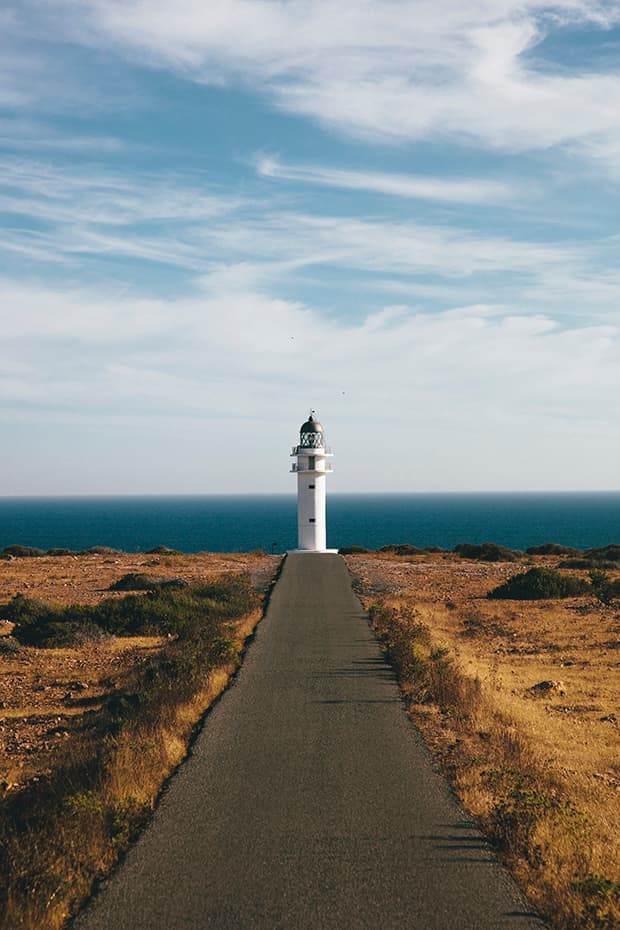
x=239 y=523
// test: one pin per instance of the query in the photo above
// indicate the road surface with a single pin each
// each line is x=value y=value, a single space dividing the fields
x=309 y=800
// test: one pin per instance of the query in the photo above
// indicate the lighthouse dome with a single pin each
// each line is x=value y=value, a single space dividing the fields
x=311 y=433
x=311 y=426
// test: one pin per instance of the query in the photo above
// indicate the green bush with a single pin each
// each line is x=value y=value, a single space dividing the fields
x=190 y=611
x=100 y=550
x=609 y=553
x=602 y=557
x=143 y=581
x=352 y=550
x=402 y=549
x=9 y=646
x=26 y=552
x=551 y=548
x=486 y=552
x=538 y=584
x=73 y=633
x=603 y=587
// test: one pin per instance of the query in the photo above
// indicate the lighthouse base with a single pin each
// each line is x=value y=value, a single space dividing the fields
x=313 y=551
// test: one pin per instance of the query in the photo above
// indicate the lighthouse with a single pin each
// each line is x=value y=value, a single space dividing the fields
x=311 y=468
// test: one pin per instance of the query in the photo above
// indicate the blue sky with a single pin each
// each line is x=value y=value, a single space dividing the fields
x=217 y=216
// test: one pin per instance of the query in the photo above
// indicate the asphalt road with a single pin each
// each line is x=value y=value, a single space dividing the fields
x=309 y=800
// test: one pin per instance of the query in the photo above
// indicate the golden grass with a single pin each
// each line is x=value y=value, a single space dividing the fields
x=541 y=774
x=61 y=836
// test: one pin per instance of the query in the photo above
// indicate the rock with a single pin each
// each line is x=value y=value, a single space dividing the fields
x=547 y=687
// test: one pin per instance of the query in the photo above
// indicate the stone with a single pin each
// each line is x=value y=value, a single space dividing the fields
x=547 y=687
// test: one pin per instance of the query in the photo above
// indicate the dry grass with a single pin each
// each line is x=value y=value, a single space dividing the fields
x=542 y=774
x=85 y=579
x=45 y=693
x=67 y=825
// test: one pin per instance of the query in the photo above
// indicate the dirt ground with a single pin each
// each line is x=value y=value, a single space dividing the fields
x=45 y=693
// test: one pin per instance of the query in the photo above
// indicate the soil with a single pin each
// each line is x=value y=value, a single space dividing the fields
x=46 y=693
x=514 y=646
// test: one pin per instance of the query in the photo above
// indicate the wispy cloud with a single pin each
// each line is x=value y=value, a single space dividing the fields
x=88 y=210
x=99 y=195
x=417 y=187
x=381 y=246
x=69 y=216
x=36 y=137
x=384 y=69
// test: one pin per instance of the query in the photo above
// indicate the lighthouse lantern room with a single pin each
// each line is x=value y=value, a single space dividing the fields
x=311 y=468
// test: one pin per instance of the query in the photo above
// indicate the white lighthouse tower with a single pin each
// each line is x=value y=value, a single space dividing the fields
x=311 y=468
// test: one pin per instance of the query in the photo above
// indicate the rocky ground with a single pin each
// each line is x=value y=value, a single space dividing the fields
x=46 y=693
x=553 y=665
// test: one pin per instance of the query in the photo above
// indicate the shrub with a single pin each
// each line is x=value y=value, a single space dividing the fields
x=61 y=552
x=609 y=553
x=601 y=899
x=25 y=552
x=402 y=549
x=100 y=550
x=551 y=548
x=162 y=550
x=584 y=563
x=186 y=612
x=223 y=649
x=142 y=581
x=486 y=552
x=9 y=646
x=603 y=557
x=38 y=624
x=73 y=633
x=538 y=584
x=352 y=550
x=604 y=589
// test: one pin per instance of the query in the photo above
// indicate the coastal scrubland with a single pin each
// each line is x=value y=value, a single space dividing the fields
x=515 y=688
x=509 y=662
x=101 y=690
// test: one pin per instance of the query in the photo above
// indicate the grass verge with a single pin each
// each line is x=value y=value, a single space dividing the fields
x=553 y=848
x=63 y=833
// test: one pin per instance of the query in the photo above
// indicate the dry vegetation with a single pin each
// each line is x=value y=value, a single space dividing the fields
x=539 y=767
x=90 y=733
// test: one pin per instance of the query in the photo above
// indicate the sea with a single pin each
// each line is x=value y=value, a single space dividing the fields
x=241 y=523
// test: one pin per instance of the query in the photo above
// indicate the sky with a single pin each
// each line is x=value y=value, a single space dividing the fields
x=217 y=216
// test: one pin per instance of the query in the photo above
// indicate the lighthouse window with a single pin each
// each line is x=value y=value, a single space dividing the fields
x=311 y=487
x=311 y=461
x=311 y=520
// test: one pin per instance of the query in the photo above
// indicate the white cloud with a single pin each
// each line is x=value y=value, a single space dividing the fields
x=73 y=214
x=95 y=195
x=389 y=69
x=266 y=336
x=475 y=397
x=444 y=190
x=396 y=247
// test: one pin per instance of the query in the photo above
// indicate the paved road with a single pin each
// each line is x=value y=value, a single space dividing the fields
x=309 y=800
